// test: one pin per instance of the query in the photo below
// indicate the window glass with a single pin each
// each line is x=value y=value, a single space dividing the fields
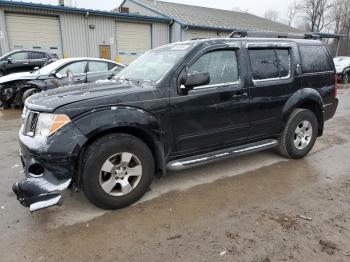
x=19 y=56
x=222 y=66
x=264 y=64
x=37 y=55
x=76 y=68
x=117 y=69
x=315 y=59
x=283 y=58
x=96 y=66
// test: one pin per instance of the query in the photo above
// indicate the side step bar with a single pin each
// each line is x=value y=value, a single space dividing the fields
x=199 y=160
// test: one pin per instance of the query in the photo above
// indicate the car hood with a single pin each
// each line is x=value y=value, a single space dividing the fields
x=101 y=93
x=18 y=76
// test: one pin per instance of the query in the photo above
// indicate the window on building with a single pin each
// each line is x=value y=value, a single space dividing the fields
x=270 y=63
x=315 y=59
x=222 y=66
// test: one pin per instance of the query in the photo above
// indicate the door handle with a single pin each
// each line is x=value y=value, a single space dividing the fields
x=26 y=63
x=240 y=94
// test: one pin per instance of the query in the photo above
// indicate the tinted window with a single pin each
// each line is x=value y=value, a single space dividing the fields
x=221 y=65
x=283 y=58
x=98 y=67
x=19 y=56
x=315 y=59
x=36 y=55
x=76 y=68
x=264 y=64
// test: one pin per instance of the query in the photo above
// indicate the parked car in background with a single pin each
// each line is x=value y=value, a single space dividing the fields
x=16 y=88
x=342 y=65
x=175 y=107
x=24 y=61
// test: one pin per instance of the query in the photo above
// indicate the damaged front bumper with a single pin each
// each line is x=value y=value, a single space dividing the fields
x=38 y=193
x=49 y=165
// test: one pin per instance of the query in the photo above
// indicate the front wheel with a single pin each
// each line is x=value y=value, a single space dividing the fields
x=118 y=170
x=29 y=93
x=299 y=135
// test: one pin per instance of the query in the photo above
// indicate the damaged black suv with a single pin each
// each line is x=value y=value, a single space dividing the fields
x=177 y=106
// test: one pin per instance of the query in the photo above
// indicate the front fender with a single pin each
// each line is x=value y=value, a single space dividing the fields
x=301 y=97
x=127 y=119
x=101 y=120
x=37 y=83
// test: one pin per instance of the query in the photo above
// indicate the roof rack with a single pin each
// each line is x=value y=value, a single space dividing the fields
x=242 y=33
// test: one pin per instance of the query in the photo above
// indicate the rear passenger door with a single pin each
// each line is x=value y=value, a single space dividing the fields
x=37 y=59
x=272 y=82
x=97 y=70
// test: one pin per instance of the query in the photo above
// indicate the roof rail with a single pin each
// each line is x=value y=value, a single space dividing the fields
x=242 y=33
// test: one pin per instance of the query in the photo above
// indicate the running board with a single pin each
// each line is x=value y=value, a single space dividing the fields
x=199 y=160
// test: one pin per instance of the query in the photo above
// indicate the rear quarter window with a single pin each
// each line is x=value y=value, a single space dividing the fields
x=315 y=59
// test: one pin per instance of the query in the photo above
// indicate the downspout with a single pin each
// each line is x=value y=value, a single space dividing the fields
x=171 y=31
x=87 y=33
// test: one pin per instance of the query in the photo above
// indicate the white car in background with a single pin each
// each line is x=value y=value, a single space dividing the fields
x=342 y=66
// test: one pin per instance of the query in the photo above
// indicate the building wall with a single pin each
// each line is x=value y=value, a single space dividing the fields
x=176 y=32
x=196 y=33
x=77 y=38
x=160 y=34
x=138 y=9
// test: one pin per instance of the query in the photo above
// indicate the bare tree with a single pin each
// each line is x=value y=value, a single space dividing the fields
x=272 y=15
x=292 y=12
x=316 y=14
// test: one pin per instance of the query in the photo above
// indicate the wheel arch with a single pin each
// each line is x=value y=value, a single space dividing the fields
x=307 y=98
x=147 y=132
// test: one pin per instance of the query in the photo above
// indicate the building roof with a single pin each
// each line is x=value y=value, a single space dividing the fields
x=211 y=18
x=81 y=11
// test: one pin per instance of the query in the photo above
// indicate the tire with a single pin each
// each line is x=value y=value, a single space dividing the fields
x=293 y=142
x=346 y=79
x=28 y=93
x=111 y=149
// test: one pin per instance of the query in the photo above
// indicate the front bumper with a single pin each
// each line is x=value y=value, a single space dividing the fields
x=49 y=166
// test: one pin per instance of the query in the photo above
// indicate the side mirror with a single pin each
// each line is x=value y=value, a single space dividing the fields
x=195 y=79
x=9 y=60
x=36 y=68
x=58 y=75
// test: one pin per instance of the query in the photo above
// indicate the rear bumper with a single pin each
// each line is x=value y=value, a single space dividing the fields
x=330 y=109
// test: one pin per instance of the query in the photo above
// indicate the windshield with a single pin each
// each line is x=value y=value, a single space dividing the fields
x=46 y=70
x=153 y=65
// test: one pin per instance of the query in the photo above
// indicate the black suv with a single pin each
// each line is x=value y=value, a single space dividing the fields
x=24 y=61
x=177 y=106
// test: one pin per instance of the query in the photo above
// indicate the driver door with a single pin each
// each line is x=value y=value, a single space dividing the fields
x=212 y=115
x=73 y=73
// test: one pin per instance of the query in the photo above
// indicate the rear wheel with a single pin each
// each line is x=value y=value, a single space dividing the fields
x=118 y=170
x=299 y=135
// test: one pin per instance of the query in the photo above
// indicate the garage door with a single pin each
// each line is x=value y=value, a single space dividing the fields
x=34 y=32
x=132 y=40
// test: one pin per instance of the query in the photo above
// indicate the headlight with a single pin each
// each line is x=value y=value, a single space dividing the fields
x=48 y=124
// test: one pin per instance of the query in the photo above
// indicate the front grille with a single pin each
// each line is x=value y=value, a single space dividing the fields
x=30 y=123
